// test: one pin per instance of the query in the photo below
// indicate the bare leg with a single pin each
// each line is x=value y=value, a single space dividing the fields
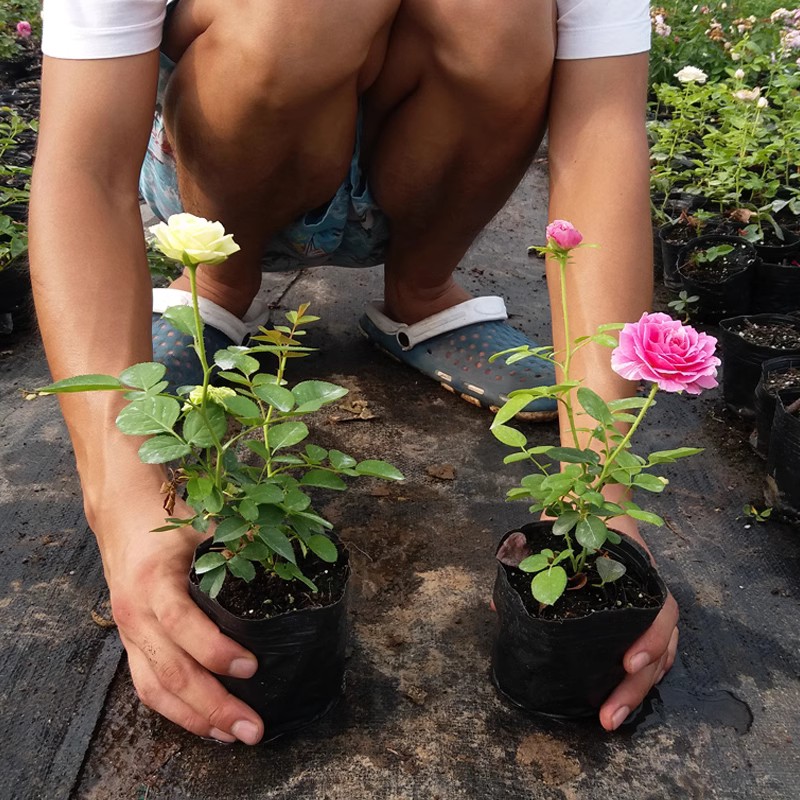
x=454 y=121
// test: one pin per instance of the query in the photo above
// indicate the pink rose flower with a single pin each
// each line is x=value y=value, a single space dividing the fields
x=564 y=234
x=666 y=352
x=24 y=29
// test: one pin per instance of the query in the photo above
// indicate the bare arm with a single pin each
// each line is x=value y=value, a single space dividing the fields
x=92 y=293
x=599 y=181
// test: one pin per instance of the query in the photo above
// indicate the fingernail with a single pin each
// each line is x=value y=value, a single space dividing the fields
x=620 y=715
x=243 y=667
x=245 y=732
x=639 y=661
x=221 y=736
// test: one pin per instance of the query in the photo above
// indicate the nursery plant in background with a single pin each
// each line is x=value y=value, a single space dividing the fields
x=271 y=575
x=571 y=593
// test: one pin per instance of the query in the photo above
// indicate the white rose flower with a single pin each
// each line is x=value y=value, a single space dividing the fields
x=739 y=74
x=195 y=240
x=779 y=15
x=762 y=102
x=735 y=56
x=691 y=75
x=748 y=95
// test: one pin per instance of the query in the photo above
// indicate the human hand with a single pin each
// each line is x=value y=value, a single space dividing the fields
x=172 y=646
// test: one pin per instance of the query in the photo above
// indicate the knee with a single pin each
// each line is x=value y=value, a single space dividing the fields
x=500 y=54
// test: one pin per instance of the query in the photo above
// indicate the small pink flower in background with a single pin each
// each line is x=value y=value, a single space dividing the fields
x=24 y=29
x=666 y=352
x=564 y=234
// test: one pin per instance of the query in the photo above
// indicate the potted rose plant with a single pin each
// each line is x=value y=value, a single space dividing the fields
x=571 y=593
x=271 y=575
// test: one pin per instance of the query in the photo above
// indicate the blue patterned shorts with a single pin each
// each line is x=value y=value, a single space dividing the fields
x=350 y=231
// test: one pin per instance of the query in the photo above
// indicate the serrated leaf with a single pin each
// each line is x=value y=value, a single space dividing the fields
x=312 y=395
x=149 y=415
x=379 y=469
x=256 y=551
x=230 y=529
x=286 y=434
x=645 y=516
x=257 y=447
x=509 y=436
x=241 y=568
x=201 y=431
x=323 y=479
x=565 y=522
x=591 y=533
x=668 y=456
x=340 y=460
x=82 y=383
x=650 y=483
x=212 y=582
x=510 y=409
x=609 y=570
x=182 y=319
x=534 y=563
x=214 y=502
x=573 y=455
x=198 y=489
x=626 y=403
x=278 y=542
x=249 y=510
x=242 y=407
x=323 y=547
x=144 y=375
x=235 y=357
x=163 y=448
x=549 y=585
x=208 y=562
x=315 y=453
x=268 y=493
x=594 y=405
x=514 y=457
x=295 y=500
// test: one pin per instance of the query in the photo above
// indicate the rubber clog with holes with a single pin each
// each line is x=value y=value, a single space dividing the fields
x=453 y=347
x=221 y=329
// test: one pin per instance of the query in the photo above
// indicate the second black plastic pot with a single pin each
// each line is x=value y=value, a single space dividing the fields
x=301 y=658
x=567 y=668
x=776 y=289
x=765 y=400
x=783 y=464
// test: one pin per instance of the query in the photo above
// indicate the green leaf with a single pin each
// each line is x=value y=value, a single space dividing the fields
x=312 y=395
x=144 y=375
x=234 y=377
x=278 y=397
x=644 y=516
x=257 y=447
x=510 y=409
x=199 y=488
x=163 y=448
x=287 y=434
x=242 y=407
x=278 y=542
x=231 y=529
x=573 y=455
x=510 y=436
x=182 y=318
x=270 y=516
x=256 y=551
x=650 y=483
x=296 y=500
x=565 y=522
x=214 y=502
x=604 y=339
x=514 y=457
x=197 y=432
x=625 y=403
x=82 y=383
x=534 y=563
x=149 y=415
x=208 y=562
x=241 y=568
x=594 y=405
x=591 y=533
x=235 y=357
x=249 y=510
x=323 y=547
x=315 y=453
x=269 y=493
x=211 y=583
x=548 y=586
x=323 y=479
x=609 y=570
x=668 y=456
x=340 y=460
x=379 y=469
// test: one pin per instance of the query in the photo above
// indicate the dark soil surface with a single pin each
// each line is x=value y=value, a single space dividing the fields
x=267 y=595
x=771 y=239
x=786 y=379
x=688 y=227
x=775 y=335
x=582 y=598
x=718 y=270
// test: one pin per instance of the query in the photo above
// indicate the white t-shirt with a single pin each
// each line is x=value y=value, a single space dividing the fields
x=112 y=28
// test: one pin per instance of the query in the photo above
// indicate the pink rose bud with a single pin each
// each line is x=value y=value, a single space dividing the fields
x=24 y=29
x=564 y=234
x=666 y=352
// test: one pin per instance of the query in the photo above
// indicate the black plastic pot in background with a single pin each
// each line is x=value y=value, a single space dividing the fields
x=669 y=256
x=783 y=464
x=742 y=360
x=780 y=253
x=567 y=668
x=728 y=297
x=301 y=658
x=16 y=305
x=765 y=400
x=776 y=289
